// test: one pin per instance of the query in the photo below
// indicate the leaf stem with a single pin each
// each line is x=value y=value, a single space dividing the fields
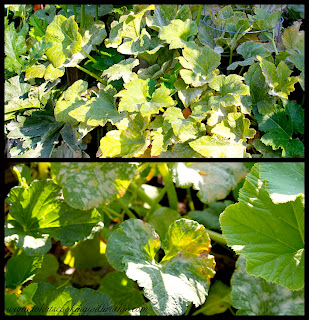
x=126 y=209
x=188 y=309
x=199 y=14
x=139 y=191
x=65 y=8
x=82 y=17
x=231 y=59
x=215 y=236
x=97 y=12
x=74 y=10
x=171 y=191
x=64 y=283
x=190 y=201
x=110 y=212
x=156 y=202
x=241 y=70
x=88 y=56
x=91 y=74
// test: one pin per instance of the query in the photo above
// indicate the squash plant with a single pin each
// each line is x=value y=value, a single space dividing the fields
x=156 y=239
x=154 y=81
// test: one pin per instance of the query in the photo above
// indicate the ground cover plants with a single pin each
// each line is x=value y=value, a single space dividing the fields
x=199 y=238
x=154 y=81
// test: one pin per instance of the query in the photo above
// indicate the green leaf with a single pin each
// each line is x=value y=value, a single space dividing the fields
x=163 y=16
x=122 y=291
x=35 y=71
x=142 y=44
x=292 y=36
x=86 y=254
x=288 y=190
x=184 y=129
x=15 y=47
x=23 y=174
x=92 y=185
x=70 y=100
x=177 y=33
x=219 y=299
x=209 y=217
x=255 y=79
x=98 y=110
x=21 y=268
x=130 y=141
x=70 y=301
x=93 y=32
x=229 y=90
x=265 y=20
x=123 y=69
x=19 y=305
x=266 y=151
x=214 y=181
x=138 y=95
x=48 y=271
x=218 y=147
x=65 y=38
x=183 y=274
x=269 y=235
x=249 y=50
x=189 y=95
x=37 y=134
x=200 y=65
x=278 y=78
x=255 y=296
x=37 y=214
x=236 y=127
x=161 y=219
x=280 y=127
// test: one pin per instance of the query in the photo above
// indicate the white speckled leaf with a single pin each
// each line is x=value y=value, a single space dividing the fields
x=255 y=296
x=91 y=185
x=269 y=235
x=183 y=274
x=213 y=180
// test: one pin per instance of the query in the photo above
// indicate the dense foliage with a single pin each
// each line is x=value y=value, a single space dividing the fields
x=154 y=81
x=155 y=239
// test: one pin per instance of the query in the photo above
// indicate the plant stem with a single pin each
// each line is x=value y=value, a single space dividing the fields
x=109 y=211
x=231 y=59
x=156 y=202
x=97 y=12
x=88 y=56
x=126 y=209
x=241 y=70
x=215 y=236
x=82 y=17
x=171 y=191
x=199 y=14
x=65 y=8
x=64 y=283
x=139 y=191
x=91 y=74
x=190 y=201
x=74 y=10
x=188 y=309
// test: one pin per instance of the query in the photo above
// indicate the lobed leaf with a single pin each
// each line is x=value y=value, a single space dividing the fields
x=255 y=296
x=37 y=214
x=270 y=235
x=214 y=181
x=91 y=185
x=183 y=274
